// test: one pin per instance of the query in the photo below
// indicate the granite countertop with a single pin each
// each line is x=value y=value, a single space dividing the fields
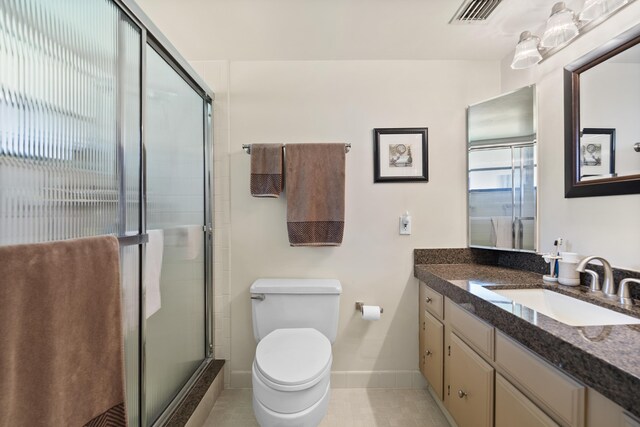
x=606 y=358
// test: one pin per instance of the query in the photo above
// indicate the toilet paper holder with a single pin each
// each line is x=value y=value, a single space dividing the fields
x=360 y=305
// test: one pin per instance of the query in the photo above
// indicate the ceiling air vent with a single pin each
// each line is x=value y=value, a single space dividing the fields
x=474 y=11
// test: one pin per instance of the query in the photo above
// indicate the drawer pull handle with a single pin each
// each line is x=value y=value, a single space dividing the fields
x=462 y=394
x=428 y=353
x=429 y=300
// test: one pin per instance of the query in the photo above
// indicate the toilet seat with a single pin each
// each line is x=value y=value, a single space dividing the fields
x=293 y=358
x=292 y=370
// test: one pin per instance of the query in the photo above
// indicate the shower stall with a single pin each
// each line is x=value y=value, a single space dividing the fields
x=105 y=129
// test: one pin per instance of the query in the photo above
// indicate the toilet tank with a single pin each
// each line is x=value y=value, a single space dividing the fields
x=295 y=303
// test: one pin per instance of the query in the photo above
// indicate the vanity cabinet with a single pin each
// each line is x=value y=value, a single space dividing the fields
x=431 y=338
x=562 y=396
x=485 y=378
x=433 y=354
x=603 y=412
x=470 y=388
x=514 y=408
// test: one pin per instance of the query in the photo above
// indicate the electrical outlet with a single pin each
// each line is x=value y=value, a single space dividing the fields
x=405 y=224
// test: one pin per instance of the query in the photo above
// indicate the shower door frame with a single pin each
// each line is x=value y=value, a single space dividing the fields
x=150 y=35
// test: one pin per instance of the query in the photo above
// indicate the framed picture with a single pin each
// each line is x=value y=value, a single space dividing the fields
x=400 y=155
x=597 y=152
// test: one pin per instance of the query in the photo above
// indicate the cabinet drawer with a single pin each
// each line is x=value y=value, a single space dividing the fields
x=470 y=386
x=433 y=353
x=629 y=421
x=433 y=302
x=476 y=332
x=515 y=409
x=561 y=395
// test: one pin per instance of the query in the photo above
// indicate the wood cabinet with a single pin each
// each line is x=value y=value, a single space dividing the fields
x=514 y=408
x=562 y=396
x=433 y=354
x=470 y=387
x=603 y=412
x=431 y=339
x=486 y=378
x=422 y=328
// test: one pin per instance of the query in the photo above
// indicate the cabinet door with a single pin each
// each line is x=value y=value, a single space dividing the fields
x=515 y=409
x=421 y=329
x=433 y=353
x=470 y=386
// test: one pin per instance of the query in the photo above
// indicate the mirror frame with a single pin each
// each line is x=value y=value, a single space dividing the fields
x=628 y=184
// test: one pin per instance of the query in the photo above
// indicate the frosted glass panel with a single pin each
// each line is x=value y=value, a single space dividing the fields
x=175 y=333
x=130 y=278
x=58 y=103
x=70 y=135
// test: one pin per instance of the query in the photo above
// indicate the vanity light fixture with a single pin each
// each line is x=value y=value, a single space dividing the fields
x=527 y=53
x=593 y=9
x=561 y=27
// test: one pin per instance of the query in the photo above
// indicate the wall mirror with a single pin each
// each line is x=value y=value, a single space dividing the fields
x=502 y=164
x=602 y=119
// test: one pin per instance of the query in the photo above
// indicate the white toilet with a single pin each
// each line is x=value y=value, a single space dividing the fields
x=295 y=321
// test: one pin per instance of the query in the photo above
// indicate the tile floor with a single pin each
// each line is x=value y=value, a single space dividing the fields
x=349 y=407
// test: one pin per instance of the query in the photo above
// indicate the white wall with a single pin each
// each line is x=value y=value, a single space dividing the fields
x=342 y=101
x=609 y=225
x=610 y=98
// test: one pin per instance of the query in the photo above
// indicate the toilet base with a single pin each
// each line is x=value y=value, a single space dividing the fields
x=310 y=417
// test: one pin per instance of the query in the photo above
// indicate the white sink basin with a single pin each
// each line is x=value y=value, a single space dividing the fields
x=565 y=309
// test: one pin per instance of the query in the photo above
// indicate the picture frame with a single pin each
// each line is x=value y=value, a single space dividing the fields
x=597 y=153
x=400 y=155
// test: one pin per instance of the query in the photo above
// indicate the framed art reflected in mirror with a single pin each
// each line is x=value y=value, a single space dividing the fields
x=597 y=153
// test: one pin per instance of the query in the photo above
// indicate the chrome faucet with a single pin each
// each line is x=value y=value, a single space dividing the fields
x=608 y=286
x=623 y=292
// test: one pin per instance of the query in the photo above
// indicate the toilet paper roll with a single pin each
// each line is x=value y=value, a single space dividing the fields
x=371 y=312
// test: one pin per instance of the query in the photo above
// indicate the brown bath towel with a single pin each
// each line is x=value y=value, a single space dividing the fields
x=266 y=170
x=315 y=194
x=61 y=345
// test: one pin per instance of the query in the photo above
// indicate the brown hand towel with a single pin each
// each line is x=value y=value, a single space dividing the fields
x=266 y=170
x=315 y=194
x=61 y=345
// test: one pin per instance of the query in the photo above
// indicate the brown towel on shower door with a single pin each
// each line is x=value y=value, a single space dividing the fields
x=266 y=170
x=61 y=345
x=315 y=194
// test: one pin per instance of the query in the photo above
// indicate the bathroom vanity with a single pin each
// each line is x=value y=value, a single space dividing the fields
x=494 y=362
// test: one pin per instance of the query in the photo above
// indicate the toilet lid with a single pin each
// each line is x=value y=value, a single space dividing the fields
x=293 y=356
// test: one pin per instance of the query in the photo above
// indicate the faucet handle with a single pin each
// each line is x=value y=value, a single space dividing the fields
x=595 y=283
x=623 y=291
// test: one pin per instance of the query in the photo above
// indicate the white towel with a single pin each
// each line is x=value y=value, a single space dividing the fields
x=501 y=231
x=153 y=271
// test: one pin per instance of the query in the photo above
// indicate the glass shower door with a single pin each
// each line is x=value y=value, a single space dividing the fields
x=174 y=267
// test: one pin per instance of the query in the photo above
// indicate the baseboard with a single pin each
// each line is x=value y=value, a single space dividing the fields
x=353 y=379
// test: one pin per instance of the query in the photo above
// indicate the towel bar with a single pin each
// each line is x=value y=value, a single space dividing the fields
x=136 y=239
x=247 y=148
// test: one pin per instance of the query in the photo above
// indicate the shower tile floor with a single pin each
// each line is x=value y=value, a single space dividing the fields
x=349 y=407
